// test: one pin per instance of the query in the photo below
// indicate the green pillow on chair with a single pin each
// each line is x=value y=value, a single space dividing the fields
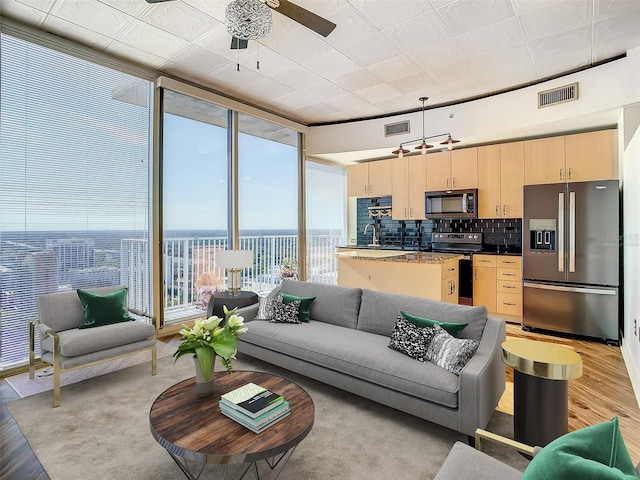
x=106 y=309
x=451 y=327
x=595 y=452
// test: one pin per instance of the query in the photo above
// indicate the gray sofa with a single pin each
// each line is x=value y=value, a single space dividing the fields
x=346 y=345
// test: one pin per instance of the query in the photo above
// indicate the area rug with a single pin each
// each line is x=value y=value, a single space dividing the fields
x=101 y=431
x=43 y=380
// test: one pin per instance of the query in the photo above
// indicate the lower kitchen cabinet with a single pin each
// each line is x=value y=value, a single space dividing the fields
x=497 y=284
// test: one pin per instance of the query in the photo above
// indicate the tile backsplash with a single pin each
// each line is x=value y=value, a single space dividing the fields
x=497 y=233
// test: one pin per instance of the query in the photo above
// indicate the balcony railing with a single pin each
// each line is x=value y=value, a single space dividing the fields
x=191 y=274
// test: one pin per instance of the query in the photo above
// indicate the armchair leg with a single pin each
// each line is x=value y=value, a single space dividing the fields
x=32 y=348
x=56 y=386
x=154 y=359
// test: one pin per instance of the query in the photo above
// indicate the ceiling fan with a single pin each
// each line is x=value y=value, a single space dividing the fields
x=301 y=15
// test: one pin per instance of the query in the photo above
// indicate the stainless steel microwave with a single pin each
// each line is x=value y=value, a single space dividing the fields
x=451 y=204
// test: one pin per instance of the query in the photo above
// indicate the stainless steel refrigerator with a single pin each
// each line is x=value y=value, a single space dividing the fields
x=571 y=258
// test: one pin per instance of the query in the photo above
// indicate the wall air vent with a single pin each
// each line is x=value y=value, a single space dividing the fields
x=568 y=93
x=399 y=128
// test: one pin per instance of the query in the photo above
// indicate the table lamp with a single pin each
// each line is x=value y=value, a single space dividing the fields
x=234 y=261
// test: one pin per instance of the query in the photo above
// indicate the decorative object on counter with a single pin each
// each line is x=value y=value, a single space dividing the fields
x=424 y=146
x=378 y=211
x=234 y=261
x=208 y=339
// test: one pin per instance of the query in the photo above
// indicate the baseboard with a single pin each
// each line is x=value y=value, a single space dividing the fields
x=632 y=369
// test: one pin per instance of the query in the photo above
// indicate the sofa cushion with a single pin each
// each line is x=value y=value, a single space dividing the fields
x=305 y=305
x=79 y=342
x=285 y=312
x=597 y=451
x=410 y=339
x=379 y=310
x=333 y=304
x=106 y=309
x=451 y=327
x=360 y=354
x=449 y=352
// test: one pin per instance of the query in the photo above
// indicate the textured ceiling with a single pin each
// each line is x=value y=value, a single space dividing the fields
x=381 y=57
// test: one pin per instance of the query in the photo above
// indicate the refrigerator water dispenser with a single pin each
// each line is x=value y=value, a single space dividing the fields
x=542 y=235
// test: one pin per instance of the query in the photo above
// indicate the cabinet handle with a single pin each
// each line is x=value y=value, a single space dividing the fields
x=447 y=183
x=452 y=287
x=452 y=269
x=411 y=212
x=405 y=213
x=504 y=209
x=509 y=274
x=497 y=210
x=508 y=261
x=370 y=188
x=475 y=275
x=509 y=304
x=366 y=189
x=569 y=173
x=561 y=174
x=453 y=182
x=507 y=286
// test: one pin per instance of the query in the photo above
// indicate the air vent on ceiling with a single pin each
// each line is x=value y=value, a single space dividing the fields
x=396 y=128
x=568 y=93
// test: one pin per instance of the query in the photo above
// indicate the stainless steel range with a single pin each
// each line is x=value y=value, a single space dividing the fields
x=465 y=244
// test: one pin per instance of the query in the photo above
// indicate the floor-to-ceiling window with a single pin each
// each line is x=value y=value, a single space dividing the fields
x=194 y=203
x=268 y=175
x=74 y=183
x=325 y=219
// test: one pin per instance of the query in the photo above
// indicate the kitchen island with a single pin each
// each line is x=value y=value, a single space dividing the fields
x=420 y=274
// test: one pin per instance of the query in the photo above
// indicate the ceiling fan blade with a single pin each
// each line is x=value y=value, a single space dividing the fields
x=304 y=17
x=158 y=1
x=238 y=43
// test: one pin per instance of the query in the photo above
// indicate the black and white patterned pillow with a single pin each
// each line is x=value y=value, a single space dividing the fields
x=285 y=312
x=449 y=352
x=265 y=309
x=410 y=339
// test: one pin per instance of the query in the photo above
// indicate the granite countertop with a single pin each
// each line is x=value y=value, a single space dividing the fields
x=486 y=250
x=399 y=256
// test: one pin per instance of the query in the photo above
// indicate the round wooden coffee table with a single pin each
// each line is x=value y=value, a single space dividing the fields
x=192 y=429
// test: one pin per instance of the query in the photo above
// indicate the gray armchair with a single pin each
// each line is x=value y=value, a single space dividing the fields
x=67 y=347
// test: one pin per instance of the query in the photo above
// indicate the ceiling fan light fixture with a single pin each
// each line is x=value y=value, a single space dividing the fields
x=248 y=19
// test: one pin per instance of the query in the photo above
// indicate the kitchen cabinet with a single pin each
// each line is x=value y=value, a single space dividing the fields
x=452 y=170
x=592 y=156
x=484 y=281
x=500 y=180
x=497 y=284
x=437 y=281
x=580 y=157
x=409 y=185
x=370 y=179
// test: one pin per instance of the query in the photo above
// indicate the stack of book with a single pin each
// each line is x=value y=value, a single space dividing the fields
x=254 y=407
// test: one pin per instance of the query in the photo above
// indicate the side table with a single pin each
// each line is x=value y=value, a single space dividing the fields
x=540 y=389
x=240 y=299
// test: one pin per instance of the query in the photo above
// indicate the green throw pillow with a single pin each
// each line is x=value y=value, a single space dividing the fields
x=453 y=328
x=305 y=305
x=106 y=309
x=595 y=452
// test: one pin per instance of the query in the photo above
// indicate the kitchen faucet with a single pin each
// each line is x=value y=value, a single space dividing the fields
x=375 y=237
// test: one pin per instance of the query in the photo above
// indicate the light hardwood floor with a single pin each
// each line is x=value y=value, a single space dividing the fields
x=604 y=390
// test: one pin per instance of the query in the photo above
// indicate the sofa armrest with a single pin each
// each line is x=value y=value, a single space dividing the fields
x=482 y=380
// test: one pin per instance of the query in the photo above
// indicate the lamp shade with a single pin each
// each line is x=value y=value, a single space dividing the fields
x=234 y=258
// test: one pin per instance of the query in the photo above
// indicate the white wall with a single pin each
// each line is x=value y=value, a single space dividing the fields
x=631 y=199
x=606 y=88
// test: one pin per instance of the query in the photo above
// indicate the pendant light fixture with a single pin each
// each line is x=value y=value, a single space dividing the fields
x=424 y=146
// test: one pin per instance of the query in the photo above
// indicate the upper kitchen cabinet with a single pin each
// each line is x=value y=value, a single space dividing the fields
x=452 y=170
x=500 y=180
x=409 y=185
x=580 y=157
x=592 y=156
x=544 y=161
x=370 y=179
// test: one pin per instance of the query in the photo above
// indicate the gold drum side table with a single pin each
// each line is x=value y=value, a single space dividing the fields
x=540 y=388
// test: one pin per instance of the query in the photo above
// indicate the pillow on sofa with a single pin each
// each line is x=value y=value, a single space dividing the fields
x=305 y=304
x=449 y=352
x=410 y=339
x=285 y=312
x=106 y=309
x=597 y=451
x=451 y=327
